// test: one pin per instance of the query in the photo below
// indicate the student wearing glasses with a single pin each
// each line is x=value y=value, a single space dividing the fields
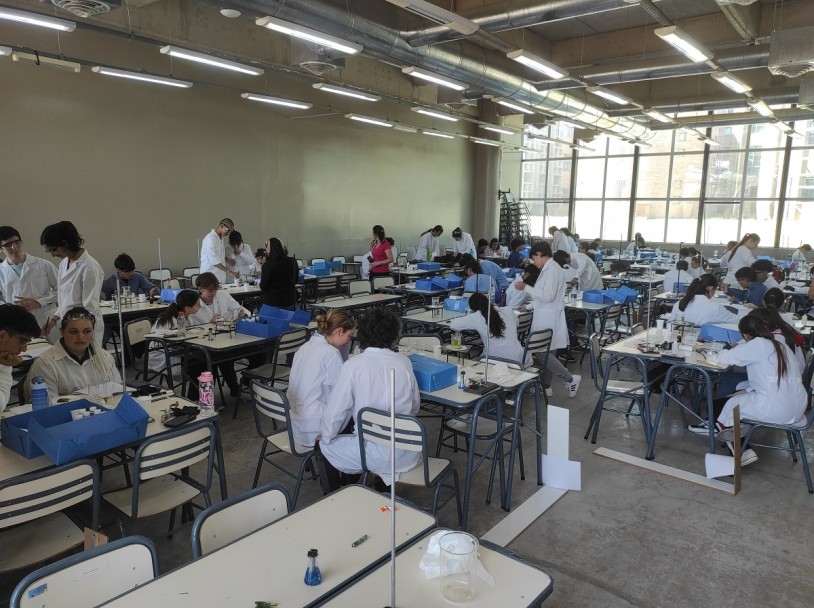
x=80 y=277
x=76 y=361
x=213 y=252
x=17 y=328
x=26 y=280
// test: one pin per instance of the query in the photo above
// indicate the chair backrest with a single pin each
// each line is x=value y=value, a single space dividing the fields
x=269 y=403
x=422 y=341
x=411 y=253
x=134 y=331
x=636 y=329
x=193 y=278
x=289 y=342
x=596 y=360
x=659 y=289
x=339 y=258
x=524 y=324
x=315 y=260
x=238 y=516
x=90 y=578
x=359 y=286
x=160 y=273
x=379 y=282
x=614 y=284
x=402 y=260
x=326 y=284
x=172 y=283
x=808 y=375
x=358 y=258
x=538 y=342
x=786 y=306
x=374 y=425
x=300 y=264
x=190 y=271
x=36 y=495
x=613 y=314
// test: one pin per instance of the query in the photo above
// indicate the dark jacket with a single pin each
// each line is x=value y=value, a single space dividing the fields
x=278 y=280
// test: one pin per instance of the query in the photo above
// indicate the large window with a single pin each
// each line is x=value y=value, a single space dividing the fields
x=546 y=175
x=798 y=217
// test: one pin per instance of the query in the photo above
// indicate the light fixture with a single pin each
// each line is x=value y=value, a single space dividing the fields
x=230 y=13
x=609 y=95
x=709 y=141
x=729 y=81
x=485 y=142
x=438 y=15
x=174 y=51
x=434 y=113
x=172 y=82
x=682 y=42
x=53 y=23
x=513 y=105
x=759 y=106
x=437 y=134
x=497 y=129
x=536 y=63
x=278 y=101
x=432 y=77
x=5 y=51
x=369 y=120
x=331 y=88
x=581 y=147
x=404 y=128
x=305 y=33
x=794 y=134
x=43 y=60
x=656 y=115
x=781 y=126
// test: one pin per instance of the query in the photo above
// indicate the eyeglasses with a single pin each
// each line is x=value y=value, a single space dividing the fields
x=12 y=245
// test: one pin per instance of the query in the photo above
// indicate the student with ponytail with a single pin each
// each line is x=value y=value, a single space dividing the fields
x=501 y=328
x=428 y=243
x=741 y=256
x=187 y=302
x=783 y=331
x=697 y=305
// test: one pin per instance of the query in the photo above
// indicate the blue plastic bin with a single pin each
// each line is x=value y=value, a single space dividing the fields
x=427 y=285
x=595 y=296
x=297 y=317
x=428 y=266
x=168 y=295
x=265 y=327
x=317 y=272
x=724 y=332
x=432 y=374
x=457 y=304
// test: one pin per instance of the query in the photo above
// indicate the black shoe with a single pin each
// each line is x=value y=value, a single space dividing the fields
x=234 y=391
x=380 y=486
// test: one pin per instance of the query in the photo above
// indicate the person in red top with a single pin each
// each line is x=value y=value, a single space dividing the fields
x=380 y=251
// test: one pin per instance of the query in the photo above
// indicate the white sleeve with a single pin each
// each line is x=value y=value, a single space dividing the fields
x=5 y=386
x=233 y=307
x=339 y=409
x=51 y=276
x=469 y=321
x=92 y=279
x=548 y=291
x=743 y=354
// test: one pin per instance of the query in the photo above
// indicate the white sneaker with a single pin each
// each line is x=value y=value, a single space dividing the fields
x=573 y=386
x=748 y=457
x=549 y=392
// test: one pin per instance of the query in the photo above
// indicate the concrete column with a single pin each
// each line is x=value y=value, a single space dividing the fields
x=486 y=208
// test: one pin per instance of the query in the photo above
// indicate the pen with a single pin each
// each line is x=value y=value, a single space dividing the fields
x=359 y=541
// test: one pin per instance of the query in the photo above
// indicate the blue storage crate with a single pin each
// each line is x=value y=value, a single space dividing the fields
x=297 y=317
x=720 y=332
x=623 y=295
x=168 y=295
x=334 y=265
x=765 y=257
x=647 y=255
x=317 y=272
x=264 y=327
x=427 y=285
x=301 y=277
x=457 y=304
x=429 y=266
x=451 y=282
x=322 y=264
x=511 y=272
x=595 y=296
x=432 y=374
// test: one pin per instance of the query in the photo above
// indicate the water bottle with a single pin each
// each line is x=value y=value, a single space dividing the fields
x=715 y=253
x=206 y=394
x=182 y=325
x=39 y=393
x=462 y=381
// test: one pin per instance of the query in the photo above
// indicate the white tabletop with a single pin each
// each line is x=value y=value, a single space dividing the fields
x=109 y=313
x=654 y=336
x=269 y=564
x=586 y=306
x=429 y=316
x=517 y=584
x=362 y=301
x=244 y=289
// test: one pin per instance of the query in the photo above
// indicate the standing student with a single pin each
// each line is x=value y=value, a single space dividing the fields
x=26 y=280
x=382 y=253
x=213 y=252
x=278 y=279
x=79 y=279
x=128 y=277
x=364 y=381
x=569 y=273
x=428 y=244
x=549 y=313
x=462 y=243
x=558 y=240
x=497 y=329
x=569 y=239
x=17 y=328
x=588 y=275
x=742 y=255
x=242 y=254
x=725 y=257
x=799 y=256
x=314 y=372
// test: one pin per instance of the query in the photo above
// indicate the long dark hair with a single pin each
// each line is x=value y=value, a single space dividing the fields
x=62 y=234
x=771 y=316
x=746 y=237
x=276 y=249
x=378 y=232
x=698 y=287
x=754 y=326
x=184 y=299
x=480 y=303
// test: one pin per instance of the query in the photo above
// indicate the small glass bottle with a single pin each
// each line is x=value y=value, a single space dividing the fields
x=182 y=325
x=312 y=574
x=462 y=381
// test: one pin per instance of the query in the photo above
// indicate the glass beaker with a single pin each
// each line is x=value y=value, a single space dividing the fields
x=455 y=340
x=459 y=554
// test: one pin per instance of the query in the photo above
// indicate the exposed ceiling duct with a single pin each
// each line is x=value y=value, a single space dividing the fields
x=791 y=52
x=745 y=118
x=87 y=8
x=806 y=99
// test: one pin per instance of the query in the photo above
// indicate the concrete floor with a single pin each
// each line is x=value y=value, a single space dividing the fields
x=631 y=537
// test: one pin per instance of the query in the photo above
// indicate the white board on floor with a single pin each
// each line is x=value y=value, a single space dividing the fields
x=558 y=471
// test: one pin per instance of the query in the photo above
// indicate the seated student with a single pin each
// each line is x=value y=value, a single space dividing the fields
x=775 y=298
x=774 y=390
x=393 y=249
x=588 y=275
x=364 y=381
x=564 y=260
x=679 y=275
x=488 y=267
x=799 y=256
x=186 y=303
x=783 y=331
x=259 y=260
x=494 y=247
x=241 y=253
x=764 y=269
x=595 y=250
x=314 y=372
x=696 y=268
x=516 y=259
x=478 y=281
x=697 y=306
x=76 y=362
x=17 y=328
x=128 y=277
x=751 y=292
x=501 y=329
x=482 y=248
x=515 y=298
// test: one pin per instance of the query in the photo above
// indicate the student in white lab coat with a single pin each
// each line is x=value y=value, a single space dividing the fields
x=242 y=254
x=186 y=303
x=569 y=273
x=462 y=243
x=213 y=252
x=515 y=298
x=774 y=390
x=764 y=269
x=549 y=313
x=799 y=256
x=364 y=381
x=725 y=257
x=697 y=305
x=678 y=275
x=501 y=330
x=782 y=329
x=558 y=240
x=26 y=280
x=428 y=244
x=17 y=328
x=742 y=255
x=314 y=372
x=588 y=275
x=77 y=362
x=80 y=277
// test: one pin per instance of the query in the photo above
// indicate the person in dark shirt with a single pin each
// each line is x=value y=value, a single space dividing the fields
x=515 y=259
x=279 y=276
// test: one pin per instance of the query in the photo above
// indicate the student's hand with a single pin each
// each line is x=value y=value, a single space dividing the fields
x=10 y=359
x=27 y=303
x=522 y=308
x=241 y=314
x=154 y=291
x=230 y=261
x=749 y=306
x=520 y=285
x=732 y=299
x=234 y=273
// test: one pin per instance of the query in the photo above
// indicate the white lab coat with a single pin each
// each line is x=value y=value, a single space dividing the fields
x=156 y=360
x=559 y=242
x=465 y=245
x=213 y=251
x=365 y=269
x=364 y=381
x=695 y=272
x=568 y=273
x=743 y=257
x=64 y=375
x=630 y=250
x=80 y=284
x=703 y=310
x=244 y=261
x=38 y=280
x=5 y=386
x=770 y=283
x=799 y=257
x=587 y=272
x=671 y=277
x=507 y=347
x=314 y=372
x=725 y=259
x=515 y=298
x=574 y=246
x=427 y=242
x=765 y=400
x=222 y=304
x=548 y=304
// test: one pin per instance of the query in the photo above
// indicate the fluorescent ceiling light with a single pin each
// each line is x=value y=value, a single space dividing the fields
x=609 y=95
x=438 y=134
x=305 y=33
x=172 y=82
x=34 y=19
x=49 y=62
x=432 y=77
x=369 y=120
x=656 y=115
x=682 y=42
x=729 y=81
x=513 y=105
x=709 y=141
x=537 y=63
x=438 y=15
x=434 y=113
x=794 y=134
x=485 y=142
x=278 y=101
x=781 y=126
x=174 y=51
x=5 y=50
x=497 y=129
x=404 y=128
x=331 y=88
x=761 y=108
x=581 y=147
